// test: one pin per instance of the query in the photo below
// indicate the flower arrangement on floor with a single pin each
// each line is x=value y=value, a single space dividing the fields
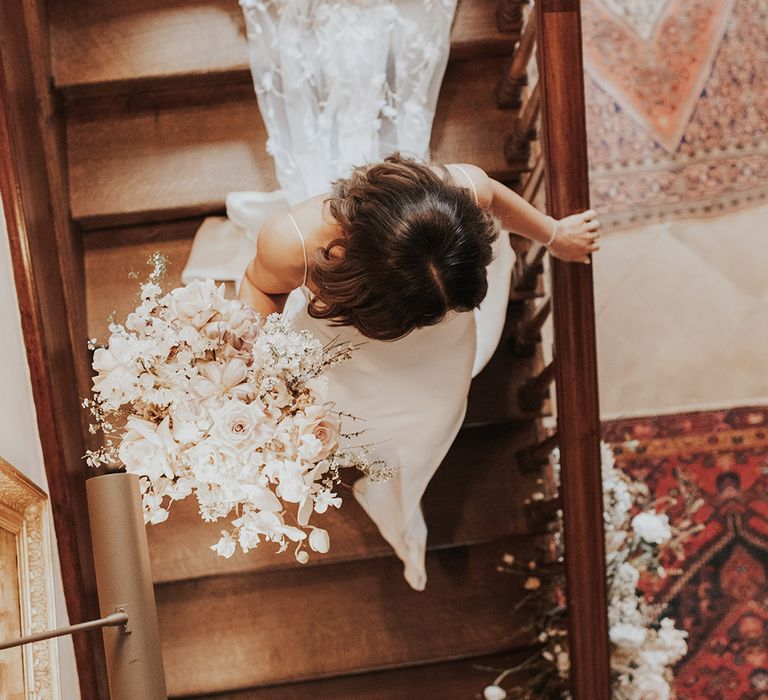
x=196 y=396
x=638 y=536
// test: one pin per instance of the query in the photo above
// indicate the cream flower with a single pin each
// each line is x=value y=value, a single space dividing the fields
x=221 y=380
x=494 y=692
x=629 y=636
x=319 y=540
x=650 y=686
x=146 y=448
x=652 y=527
x=225 y=547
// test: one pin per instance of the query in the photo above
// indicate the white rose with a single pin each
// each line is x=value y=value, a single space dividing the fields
x=494 y=692
x=319 y=540
x=650 y=686
x=652 y=527
x=194 y=302
x=234 y=425
x=626 y=635
x=120 y=352
x=318 y=432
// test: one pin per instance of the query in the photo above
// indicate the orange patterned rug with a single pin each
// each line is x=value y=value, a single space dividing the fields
x=654 y=56
x=720 y=595
x=677 y=107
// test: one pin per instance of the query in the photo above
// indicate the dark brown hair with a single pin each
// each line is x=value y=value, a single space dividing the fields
x=413 y=248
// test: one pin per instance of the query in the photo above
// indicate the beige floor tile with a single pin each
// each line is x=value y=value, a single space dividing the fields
x=675 y=330
x=673 y=291
x=736 y=245
x=620 y=254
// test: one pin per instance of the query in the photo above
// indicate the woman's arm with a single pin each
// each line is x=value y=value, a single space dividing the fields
x=575 y=236
x=276 y=269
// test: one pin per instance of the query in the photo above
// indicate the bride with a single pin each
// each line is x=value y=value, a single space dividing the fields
x=405 y=260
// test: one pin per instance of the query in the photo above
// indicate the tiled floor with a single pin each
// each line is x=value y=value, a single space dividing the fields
x=682 y=315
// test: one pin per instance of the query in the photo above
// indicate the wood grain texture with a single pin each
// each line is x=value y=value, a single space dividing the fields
x=452 y=680
x=174 y=162
x=228 y=633
x=119 y=47
x=476 y=496
x=112 y=255
x=565 y=154
x=39 y=257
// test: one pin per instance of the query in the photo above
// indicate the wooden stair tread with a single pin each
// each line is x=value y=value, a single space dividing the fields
x=477 y=495
x=108 y=48
x=228 y=633
x=452 y=680
x=176 y=161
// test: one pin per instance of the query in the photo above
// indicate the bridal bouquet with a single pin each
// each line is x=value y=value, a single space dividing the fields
x=197 y=397
x=639 y=537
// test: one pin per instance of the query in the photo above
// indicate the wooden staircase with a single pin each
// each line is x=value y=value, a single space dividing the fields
x=160 y=124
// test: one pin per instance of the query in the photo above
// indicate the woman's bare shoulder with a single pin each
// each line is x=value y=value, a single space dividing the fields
x=479 y=179
x=285 y=238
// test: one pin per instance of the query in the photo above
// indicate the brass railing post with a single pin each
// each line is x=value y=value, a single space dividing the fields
x=124 y=580
x=564 y=144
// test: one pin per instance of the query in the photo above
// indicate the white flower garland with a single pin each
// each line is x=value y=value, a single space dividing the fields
x=643 y=649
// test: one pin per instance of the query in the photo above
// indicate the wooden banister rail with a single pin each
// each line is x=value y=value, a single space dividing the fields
x=45 y=264
x=565 y=157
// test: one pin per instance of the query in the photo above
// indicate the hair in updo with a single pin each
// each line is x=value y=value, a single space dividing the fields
x=414 y=247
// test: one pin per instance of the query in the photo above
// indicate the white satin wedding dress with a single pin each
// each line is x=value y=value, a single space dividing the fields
x=412 y=396
x=341 y=83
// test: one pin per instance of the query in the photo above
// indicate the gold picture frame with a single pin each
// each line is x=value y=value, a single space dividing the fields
x=26 y=589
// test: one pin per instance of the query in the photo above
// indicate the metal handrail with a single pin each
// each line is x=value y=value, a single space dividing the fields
x=119 y=618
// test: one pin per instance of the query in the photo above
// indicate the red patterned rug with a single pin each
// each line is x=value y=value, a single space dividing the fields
x=720 y=594
x=677 y=107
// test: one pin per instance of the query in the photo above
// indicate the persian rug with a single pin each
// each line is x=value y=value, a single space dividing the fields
x=677 y=107
x=720 y=592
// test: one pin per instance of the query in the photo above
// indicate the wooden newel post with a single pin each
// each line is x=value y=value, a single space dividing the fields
x=565 y=153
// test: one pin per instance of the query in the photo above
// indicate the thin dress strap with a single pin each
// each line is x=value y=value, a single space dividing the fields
x=469 y=180
x=303 y=247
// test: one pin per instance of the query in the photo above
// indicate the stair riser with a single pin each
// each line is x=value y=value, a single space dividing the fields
x=229 y=633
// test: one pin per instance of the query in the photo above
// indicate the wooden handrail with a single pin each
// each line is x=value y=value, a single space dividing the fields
x=511 y=85
x=45 y=263
x=565 y=157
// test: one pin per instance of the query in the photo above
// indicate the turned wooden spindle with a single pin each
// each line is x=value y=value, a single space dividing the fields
x=539 y=514
x=509 y=15
x=510 y=87
x=527 y=334
x=528 y=269
x=532 y=395
x=531 y=459
x=517 y=146
x=534 y=181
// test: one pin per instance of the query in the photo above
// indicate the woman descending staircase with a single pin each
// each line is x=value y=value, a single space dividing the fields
x=161 y=123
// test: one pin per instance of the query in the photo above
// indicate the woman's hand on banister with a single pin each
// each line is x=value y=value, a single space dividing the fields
x=576 y=236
